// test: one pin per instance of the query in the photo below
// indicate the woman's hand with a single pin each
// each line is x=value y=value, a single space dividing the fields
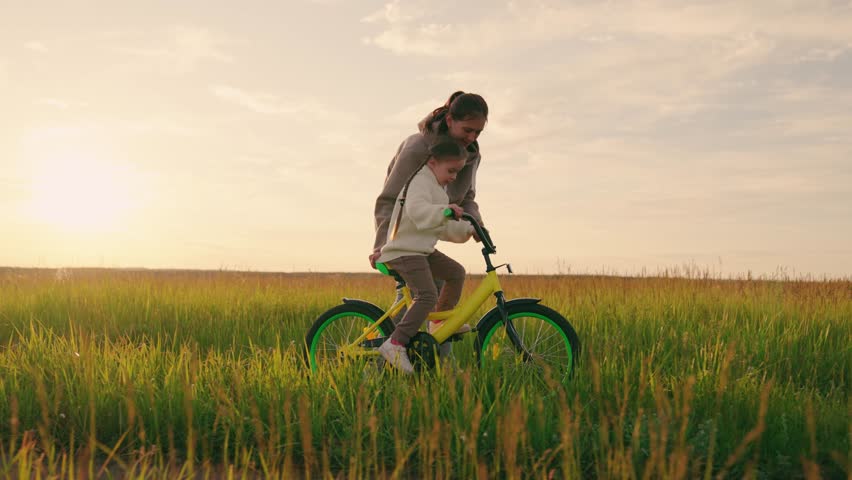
x=373 y=257
x=457 y=210
x=476 y=237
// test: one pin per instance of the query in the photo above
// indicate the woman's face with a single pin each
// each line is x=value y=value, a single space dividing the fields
x=467 y=130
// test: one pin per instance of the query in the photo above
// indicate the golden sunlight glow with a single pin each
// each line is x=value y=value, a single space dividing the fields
x=79 y=193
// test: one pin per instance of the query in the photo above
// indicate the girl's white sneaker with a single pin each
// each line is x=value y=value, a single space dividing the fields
x=396 y=356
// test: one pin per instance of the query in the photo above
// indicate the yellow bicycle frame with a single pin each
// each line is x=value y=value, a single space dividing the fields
x=452 y=319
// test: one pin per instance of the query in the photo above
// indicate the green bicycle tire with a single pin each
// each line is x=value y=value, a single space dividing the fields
x=488 y=340
x=336 y=315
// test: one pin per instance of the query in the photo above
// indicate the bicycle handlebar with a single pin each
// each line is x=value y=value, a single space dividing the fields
x=483 y=234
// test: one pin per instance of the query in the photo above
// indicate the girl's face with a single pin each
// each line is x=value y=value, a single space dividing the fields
x=467 y=130
x=446 y=169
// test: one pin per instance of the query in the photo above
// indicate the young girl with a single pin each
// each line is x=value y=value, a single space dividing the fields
x=417 y=223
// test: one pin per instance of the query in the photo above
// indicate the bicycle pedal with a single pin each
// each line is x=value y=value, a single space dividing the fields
x=373 y=342
x=457 y=337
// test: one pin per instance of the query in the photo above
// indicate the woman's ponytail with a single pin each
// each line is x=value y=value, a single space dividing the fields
x=460 y=105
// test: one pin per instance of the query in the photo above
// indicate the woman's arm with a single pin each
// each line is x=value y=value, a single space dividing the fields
x=468 y=203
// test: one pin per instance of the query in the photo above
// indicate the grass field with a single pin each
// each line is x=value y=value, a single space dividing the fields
x=194 y=374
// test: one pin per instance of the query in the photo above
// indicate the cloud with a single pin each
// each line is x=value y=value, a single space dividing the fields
x=93 y=131
x=271 y=104
x=182 y=49
x=53 y=102
x=404 y=34
x=393 y=12
x=412 y=114
x=36 y=46
x=521 y=24
x=59 y=103
x=428 y=39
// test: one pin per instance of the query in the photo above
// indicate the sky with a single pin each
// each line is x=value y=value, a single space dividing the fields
x=624 y=137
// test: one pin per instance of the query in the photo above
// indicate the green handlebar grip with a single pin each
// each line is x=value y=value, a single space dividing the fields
x=381 y=267
x=448 y=212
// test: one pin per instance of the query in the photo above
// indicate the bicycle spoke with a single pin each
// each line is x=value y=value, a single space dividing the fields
x=543 y=340
x=343 y=331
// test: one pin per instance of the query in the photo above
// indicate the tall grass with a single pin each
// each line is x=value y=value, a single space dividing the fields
x=185 y=374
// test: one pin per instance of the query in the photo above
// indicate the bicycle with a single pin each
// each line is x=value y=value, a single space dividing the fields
x=532 y=333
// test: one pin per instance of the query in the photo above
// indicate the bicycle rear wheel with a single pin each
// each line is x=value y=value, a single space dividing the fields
x=548 y=338
x=338 y=327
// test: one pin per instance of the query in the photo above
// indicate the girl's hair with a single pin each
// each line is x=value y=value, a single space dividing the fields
x=445 y=148
x=460 y=106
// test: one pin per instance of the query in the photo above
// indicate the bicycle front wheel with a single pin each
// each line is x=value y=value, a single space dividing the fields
x=545 y=341
x=338 y=328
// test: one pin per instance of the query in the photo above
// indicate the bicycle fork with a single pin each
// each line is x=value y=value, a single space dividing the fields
x=510 y=328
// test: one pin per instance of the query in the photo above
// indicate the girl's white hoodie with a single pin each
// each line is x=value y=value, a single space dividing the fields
x=422 y=222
